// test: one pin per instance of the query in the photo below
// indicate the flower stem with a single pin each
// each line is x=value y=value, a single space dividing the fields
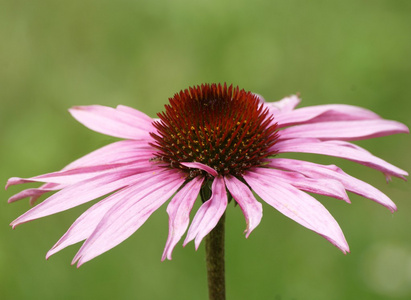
x=215 y=261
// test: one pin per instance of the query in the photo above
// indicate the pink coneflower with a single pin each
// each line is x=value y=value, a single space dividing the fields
x=219 y=142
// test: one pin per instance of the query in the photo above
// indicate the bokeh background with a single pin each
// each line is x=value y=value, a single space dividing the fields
x=56 y=54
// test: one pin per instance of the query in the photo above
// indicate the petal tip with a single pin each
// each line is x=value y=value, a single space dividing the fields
x=76 y=260
x=49 y=254
x=165 y=256
x=197 y=244
x=393 y=208
x=14 y=224
x=76 y=107
x=12 y=181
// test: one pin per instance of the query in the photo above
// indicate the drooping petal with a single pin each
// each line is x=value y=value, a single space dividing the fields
x=179 y=213
x=324 y=113
x=114 y=155
x=323 y=186
x=33 y=192
x=79 y=193
x=67 y=177
x=73 y=176
x=209 y=213
x=345 y=130
x=113 y=122
x=340 y=149
x=197 y=165
x=252 y=209
x=128 y=214
x=46 y=186
x=84 y=226
x=299 y=207
x=350 y=183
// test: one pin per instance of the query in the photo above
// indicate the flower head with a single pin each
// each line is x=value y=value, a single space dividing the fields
x=209 y=138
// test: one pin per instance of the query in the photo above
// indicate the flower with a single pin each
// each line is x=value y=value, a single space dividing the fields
x=209 y=140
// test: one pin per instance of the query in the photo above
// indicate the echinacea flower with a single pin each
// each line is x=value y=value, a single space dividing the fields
x=211 y=140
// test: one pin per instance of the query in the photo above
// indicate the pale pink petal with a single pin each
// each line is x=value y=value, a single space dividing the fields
x=340 y=149
x=260 y=98
x=324 y=113
x=73 y=176
x=113 y=155
x=252 y=209
x=84 y=226
x=127 y=215
x=121 y=151
x=46 y=186
x=298 y=206
x=67 y=177
x=140 y=116
x=113 y=122
x=323 y=186
x=350 y=183
x=285 y=105
x=209 y=213
x=33 y=193
x=179 y=213
x=345 y=130
x=17 y=180
x=79 y=193
x=197 y=165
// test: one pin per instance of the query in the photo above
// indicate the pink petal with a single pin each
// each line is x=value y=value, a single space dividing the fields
x=127 y=215
x=209 y=213
x=350 y=183
x=252 y=209
x=110 y=121
x=34 y=192
x=113 y=155
x=340 y=149
x=67 y=177
x=197 y=165
x=324 y=113
x=179 y=213
x=324 y=186
x=73 y=176
x=118 y=152
x=84 y=226
x=285 y=105
x=79 y=193
x=140 y=116
x=46 y=186
x=260 y=98
x=345 y=130
x=299 y=207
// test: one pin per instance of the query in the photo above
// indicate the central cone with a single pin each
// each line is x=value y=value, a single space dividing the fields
x=222 y=127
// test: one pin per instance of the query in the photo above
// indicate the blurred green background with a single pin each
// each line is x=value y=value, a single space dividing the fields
x=56 y=54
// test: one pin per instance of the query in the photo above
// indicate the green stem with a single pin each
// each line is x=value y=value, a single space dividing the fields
x=215 y=261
